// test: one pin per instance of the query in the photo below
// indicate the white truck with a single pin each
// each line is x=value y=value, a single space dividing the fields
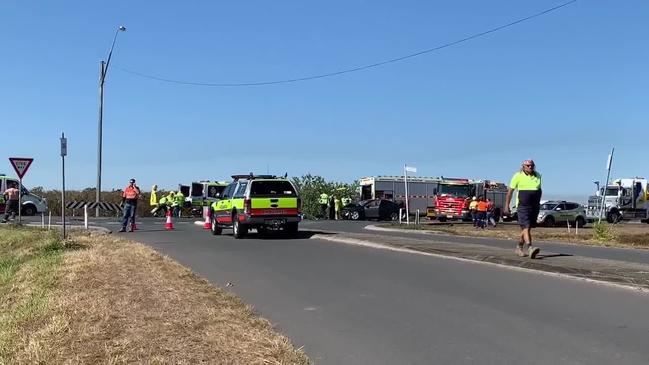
x=31 y=204
x=622 y=199
x=421 y=190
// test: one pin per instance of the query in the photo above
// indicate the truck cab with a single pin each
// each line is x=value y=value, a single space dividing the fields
x=624 y=199
x=31 y=204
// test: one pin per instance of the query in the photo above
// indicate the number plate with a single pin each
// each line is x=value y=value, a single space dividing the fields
x=274 y=222
x=274 y=212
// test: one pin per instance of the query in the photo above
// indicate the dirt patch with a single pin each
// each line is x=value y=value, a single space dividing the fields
x=629 y=235
x=118 y=301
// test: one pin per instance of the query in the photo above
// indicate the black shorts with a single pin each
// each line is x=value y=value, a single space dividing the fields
x=527 y=215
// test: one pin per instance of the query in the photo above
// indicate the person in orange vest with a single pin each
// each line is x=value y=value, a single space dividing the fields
x=129 y=201
x=481 y=209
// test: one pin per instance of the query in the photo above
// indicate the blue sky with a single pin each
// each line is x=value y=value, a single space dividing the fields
x=562 y=88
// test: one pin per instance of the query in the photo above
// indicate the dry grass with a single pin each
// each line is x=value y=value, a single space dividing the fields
x=117 y=301
x=621 y=235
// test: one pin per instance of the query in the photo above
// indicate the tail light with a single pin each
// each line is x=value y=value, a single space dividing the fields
x=247 y=206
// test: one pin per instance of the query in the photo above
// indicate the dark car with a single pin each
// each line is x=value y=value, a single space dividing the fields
x=380 y=209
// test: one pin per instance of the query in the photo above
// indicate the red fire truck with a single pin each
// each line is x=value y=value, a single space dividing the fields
x=454 y=195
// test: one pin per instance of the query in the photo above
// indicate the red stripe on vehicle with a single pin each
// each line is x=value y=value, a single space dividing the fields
x=273 y=211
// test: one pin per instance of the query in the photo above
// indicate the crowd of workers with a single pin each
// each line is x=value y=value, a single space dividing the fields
x=482 y=212
x=331 y=205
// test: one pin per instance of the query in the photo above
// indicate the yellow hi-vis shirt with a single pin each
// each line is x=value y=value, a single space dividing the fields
x=528 y=186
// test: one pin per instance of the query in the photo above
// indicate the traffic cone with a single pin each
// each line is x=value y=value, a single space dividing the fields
x=169 y=225
x=208 y=219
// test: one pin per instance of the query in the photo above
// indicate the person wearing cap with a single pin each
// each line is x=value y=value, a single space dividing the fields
x=527 y=182
x=129 y=202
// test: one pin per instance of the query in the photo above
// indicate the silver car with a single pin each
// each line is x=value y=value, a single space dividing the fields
x=560 y=213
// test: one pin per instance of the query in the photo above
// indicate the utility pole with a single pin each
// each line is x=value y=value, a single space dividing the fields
x=103 y=70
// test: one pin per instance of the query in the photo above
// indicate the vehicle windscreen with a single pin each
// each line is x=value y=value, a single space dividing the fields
x=548 y=206
x=455 y=190
x=271 y=188
x=213 y=191
x=611 y=191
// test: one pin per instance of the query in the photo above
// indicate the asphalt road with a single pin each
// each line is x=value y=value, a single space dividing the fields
x=354 y=305
x=621 y=254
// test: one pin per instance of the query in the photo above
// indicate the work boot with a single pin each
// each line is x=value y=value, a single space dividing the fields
x=533 y=251
x=122 y=230
x=520 y=252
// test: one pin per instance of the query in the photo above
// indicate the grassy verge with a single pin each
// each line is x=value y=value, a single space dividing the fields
x=28 y=261
x=619 y=235
x=100 y=299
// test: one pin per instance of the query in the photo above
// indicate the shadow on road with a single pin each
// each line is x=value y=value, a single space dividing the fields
x=279 y=235
x=541 y=257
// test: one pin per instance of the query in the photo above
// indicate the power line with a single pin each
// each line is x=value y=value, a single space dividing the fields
x=360 y=68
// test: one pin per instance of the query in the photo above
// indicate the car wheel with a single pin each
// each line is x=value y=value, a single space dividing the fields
x=580 y=222
x=216 y=230
x=394 y=216
x=549 y=222
x=355 y=215
x=613 y=217
x=29 y=210
x=239 y=229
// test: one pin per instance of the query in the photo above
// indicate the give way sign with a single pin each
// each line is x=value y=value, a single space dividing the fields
x=21 y=165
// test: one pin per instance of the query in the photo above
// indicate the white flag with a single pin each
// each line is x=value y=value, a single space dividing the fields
x=411 y=169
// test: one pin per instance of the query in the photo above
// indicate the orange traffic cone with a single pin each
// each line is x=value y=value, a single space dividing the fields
x=169 y=225
x=208 y=219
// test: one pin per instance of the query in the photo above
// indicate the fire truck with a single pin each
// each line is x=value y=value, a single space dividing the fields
x=453 y=196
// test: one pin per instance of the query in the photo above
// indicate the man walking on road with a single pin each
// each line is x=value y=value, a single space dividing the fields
x=528 y=183
x=12 y=204
x=129 y=201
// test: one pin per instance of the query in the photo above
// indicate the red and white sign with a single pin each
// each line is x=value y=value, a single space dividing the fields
x=21 y=165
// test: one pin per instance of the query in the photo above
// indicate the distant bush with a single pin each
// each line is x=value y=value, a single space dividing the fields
x=311 y=186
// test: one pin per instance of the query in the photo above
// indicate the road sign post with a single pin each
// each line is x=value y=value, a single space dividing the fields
x=407 y=169
x=21 y=165
x=64 y=152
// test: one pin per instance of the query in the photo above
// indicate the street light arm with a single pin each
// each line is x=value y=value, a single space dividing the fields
x=110 y=54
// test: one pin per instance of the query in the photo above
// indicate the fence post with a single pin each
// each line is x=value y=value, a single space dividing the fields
x=49 y=222
x=400 y=211
x=417 y=218
x=42 y=219
x=85 y=216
